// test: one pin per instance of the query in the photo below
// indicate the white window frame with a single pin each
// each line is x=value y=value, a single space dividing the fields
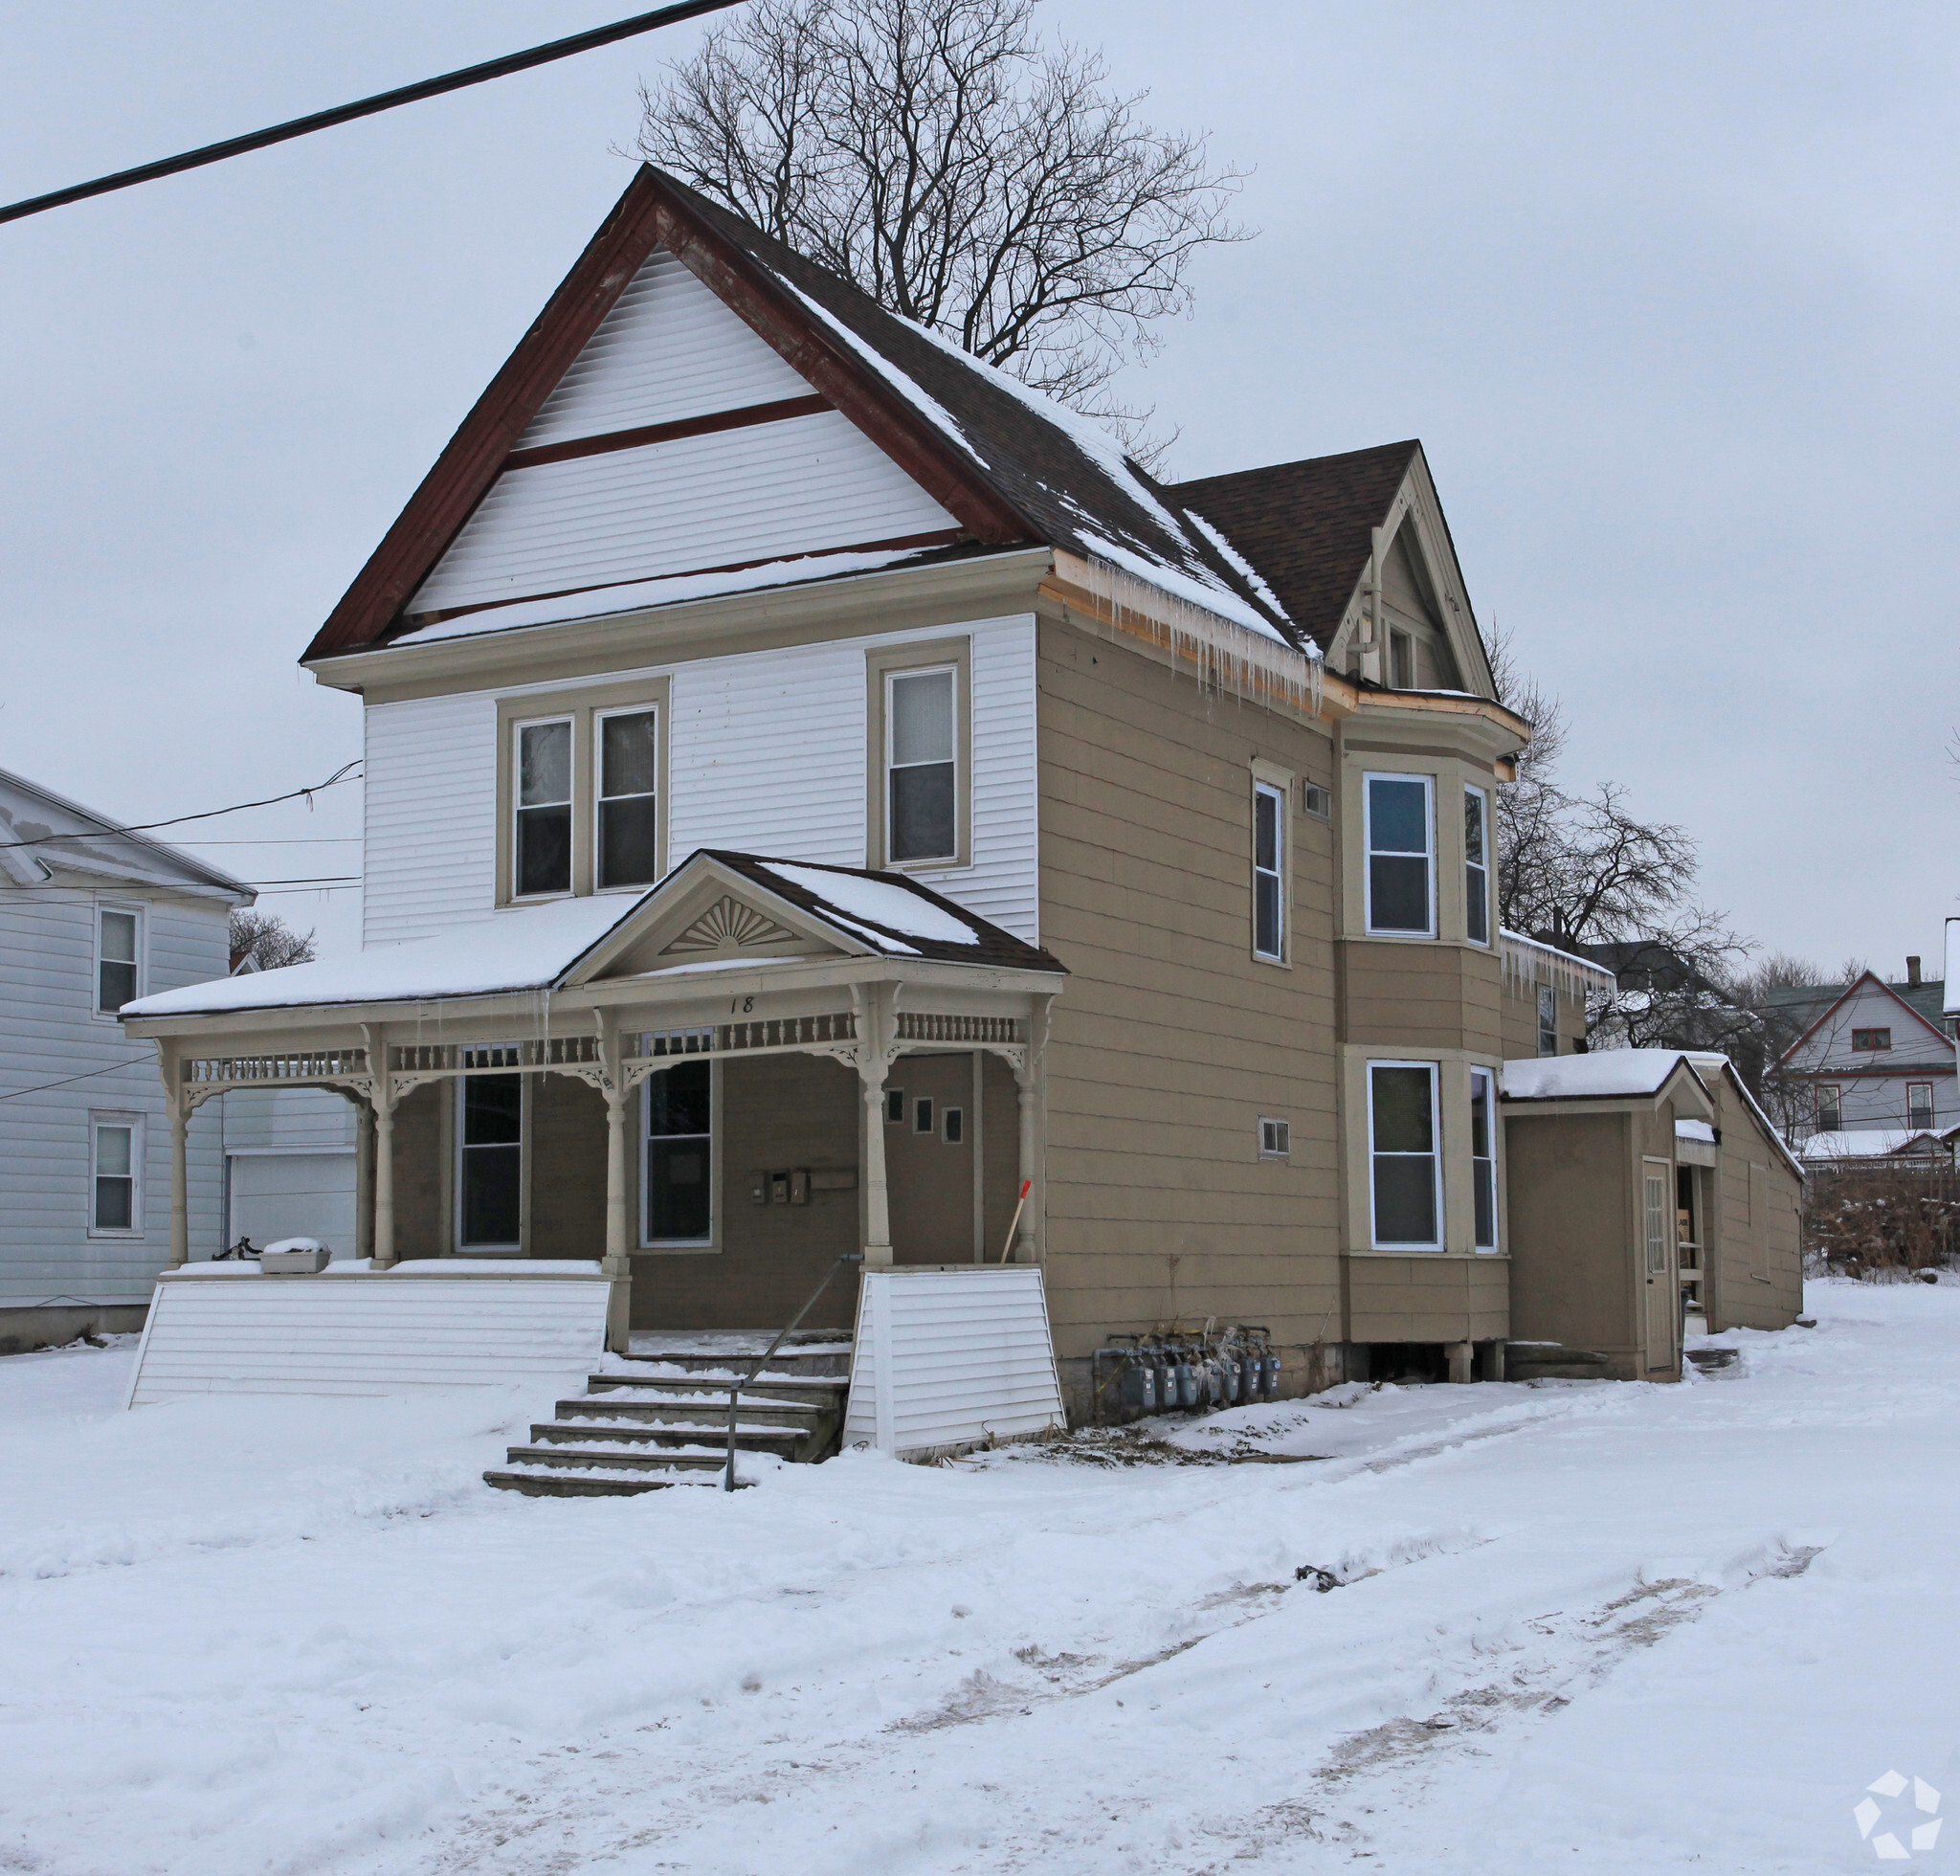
x=1276 y=794
x=1476 y=871
x=682 y=1246
x=1368 y=847
x=1548 y=1019
x=98 y=1118
x=518 y=727
x=600 y=797
x=893 y=678
x=1837 y=1093
x=1436 y=1158
x=1276 y=1137
x=1479 y=1161
x=1932 y=1109
x=141 y=913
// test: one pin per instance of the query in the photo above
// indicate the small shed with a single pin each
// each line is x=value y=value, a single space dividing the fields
x=1648 y=1196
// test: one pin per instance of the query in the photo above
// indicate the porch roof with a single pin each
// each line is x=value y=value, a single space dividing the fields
x=555 y=946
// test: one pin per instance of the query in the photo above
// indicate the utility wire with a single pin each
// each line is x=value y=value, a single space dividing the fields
x=383 y=101
x=132 y=1062
x=341 y=774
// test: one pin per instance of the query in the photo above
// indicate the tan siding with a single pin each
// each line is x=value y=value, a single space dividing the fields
x=1572 y=1233
x=1170 y=1041
x=1756 y=1229
x=1422 y=996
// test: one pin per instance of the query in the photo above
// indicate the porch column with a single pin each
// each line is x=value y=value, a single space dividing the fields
x=1024 y=1232
x=180 y=1184
x=382 y=1083
x=364 y=1179
x=877 y=1210
x=618 y=1261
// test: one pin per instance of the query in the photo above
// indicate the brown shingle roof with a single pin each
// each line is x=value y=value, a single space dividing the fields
x=1306 y=526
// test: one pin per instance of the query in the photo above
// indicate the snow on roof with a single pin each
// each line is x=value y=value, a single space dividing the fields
x=1601 y=1075
x=882 y=902
x=525 y=949
x=639 y=595
x=1695 y=1130
x=1865 y=1142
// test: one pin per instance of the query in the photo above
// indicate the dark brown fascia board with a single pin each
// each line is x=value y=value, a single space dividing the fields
x=647 y=215
x=825 y=361
x=474 y=457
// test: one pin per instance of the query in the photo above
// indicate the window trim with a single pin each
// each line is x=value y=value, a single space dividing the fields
x=1275 y=1137
x=582 y=703
x=1482 y=797
x=1932 y=1109
x=141 y=911
x=1369 y=778
x=711 y=1244
x=137 y=1123
x=1871 y=1048
x=882 y=663
x=1836 y=1092
x=1440 y=1243
x=599 y=716
x=1495 y=1248
x=1275 y=787
x=1548 y=1005
x=458 y=1147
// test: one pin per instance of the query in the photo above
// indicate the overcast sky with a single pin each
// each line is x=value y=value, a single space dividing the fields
x=1668 y=292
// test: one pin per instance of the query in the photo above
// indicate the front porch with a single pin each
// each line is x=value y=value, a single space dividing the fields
x=715 y=1089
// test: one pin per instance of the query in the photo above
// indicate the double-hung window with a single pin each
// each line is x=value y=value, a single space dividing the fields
x=1406 y=1185
x=1476 y=865
x=1483 y=1154
x=627 y=838
x=1830 y=1108
x=679 y=1156
x=118 y=938
x=491 y=1157
x=1919 y=1104
x=921 y=766
x=115 y=1171
x=1548 y=1021
x=1268 y=872
x=541 y=862
x=1401 y=854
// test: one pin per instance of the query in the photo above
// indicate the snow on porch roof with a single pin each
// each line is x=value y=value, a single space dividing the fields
x=1603 y=1075
x=536 y=948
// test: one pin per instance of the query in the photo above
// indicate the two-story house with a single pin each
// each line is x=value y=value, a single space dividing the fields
x=1876 y=1059
x=93 y=916
x=821 y=794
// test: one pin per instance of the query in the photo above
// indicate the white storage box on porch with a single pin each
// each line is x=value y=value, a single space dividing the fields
x=950 y=1358
x=428 y=1323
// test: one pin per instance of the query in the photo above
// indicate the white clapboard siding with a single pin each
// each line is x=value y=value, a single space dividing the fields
x=366 y=1332
x=951 y=1358
x=766 y=754
x=770 y=491
x=668 y=350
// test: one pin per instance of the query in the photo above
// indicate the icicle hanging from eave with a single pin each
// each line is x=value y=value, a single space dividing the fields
x=1527 y=963
x=1230 y=657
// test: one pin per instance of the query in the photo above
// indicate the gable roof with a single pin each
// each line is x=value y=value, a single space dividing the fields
x=1308 y=526
x=1921 y=1002
x=1599 y=1075
x=33 y=852
x=553 y=946
x=1010 y=466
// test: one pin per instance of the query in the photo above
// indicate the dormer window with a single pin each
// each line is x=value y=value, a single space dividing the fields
x=1871 y=1038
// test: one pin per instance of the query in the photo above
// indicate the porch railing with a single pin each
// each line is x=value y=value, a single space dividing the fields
x=739 y=1038
x=292 y=1065
x=925 y=1027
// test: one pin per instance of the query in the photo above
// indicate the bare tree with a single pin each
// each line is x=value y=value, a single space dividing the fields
x=937 y=155
x=268 y=941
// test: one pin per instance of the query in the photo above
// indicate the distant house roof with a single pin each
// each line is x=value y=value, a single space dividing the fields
x=1811 y=1004
x=1011 y=467
x=1308 y=526
x=62 y=835
x=1877 y=1143
x=541 y=948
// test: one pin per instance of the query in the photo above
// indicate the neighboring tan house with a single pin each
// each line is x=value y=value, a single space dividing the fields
x=1871 y=1056
x=818 y=788
x=92 y=916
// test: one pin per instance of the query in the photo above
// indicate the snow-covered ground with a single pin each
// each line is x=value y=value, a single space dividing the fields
x=1584 y=1627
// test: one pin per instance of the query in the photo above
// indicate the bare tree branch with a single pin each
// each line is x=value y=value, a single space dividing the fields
x=934 y=153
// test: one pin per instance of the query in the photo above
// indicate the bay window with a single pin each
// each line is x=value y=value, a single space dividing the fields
x=1400 y=838
x=1476 y=865
x=1484 y=1155
x=1268 y=872
x=1404 y=1175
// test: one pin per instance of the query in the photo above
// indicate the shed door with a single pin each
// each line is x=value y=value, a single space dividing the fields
x=1663 y=1284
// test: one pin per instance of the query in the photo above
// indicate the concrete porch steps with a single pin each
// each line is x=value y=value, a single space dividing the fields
x=659 y=1417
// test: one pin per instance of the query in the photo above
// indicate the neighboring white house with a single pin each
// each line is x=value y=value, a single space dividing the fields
x=289 y=1167
x=91 y=917
x=1878 y=1057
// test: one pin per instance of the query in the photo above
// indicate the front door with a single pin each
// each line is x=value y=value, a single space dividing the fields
x=1662 y=1285
x=930 y=1132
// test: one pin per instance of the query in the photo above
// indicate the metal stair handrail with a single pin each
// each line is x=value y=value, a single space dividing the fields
x=782 y=1334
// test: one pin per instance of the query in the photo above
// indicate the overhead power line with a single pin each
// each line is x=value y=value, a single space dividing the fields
x=385 y=101
x=344 y=773
x=134 y=1061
